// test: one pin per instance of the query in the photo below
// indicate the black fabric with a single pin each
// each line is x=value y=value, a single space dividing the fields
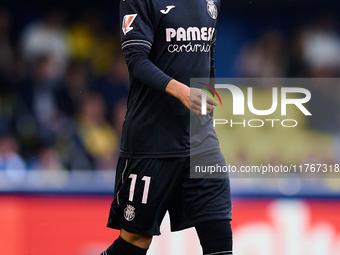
x=159 y=44
x=215 y=237
x=139 y=65
x=189 y=201
x=122 y=247
x=128 y=211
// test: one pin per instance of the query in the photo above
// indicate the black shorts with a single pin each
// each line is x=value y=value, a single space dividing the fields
x=146 y=188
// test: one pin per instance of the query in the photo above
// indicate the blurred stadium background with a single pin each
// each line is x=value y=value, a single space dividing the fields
x=63 y=89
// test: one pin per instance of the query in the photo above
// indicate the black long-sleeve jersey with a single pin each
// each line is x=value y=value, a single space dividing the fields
x=164 y=40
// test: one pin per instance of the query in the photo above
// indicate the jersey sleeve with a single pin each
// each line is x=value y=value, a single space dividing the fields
x=137 y=35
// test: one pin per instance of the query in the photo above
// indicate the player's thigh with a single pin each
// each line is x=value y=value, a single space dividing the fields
x=202 y=199
x=212 y=198
x=144 y=188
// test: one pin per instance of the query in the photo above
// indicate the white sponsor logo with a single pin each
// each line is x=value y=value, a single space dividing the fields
x=197 y=47
x=190 y=34
x=168 y=8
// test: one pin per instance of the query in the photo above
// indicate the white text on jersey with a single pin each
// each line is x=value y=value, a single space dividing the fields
x=190 y=34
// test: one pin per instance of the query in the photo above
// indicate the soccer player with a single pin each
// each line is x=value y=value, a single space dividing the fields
x=165 y=43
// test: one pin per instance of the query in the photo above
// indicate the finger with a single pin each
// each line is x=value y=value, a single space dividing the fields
x=210 y=101
x=210 y=107
x=196 y=99
x=198 y=107
x=195 y=108
x=197 y=112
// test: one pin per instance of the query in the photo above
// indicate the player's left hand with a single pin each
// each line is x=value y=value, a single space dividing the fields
x=190 y=97
x=196 y=101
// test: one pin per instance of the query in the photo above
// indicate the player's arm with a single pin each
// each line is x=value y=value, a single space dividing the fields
x=192 y=97
x=146 y=72
x=141 y=68
x=137 y=39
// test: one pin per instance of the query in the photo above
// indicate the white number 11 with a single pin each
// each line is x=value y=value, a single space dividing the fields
x=146 y=179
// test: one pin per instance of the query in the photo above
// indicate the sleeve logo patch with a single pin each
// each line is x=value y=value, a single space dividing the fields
x=127 y=22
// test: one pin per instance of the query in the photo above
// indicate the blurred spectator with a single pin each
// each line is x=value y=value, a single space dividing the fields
x=266 y=58
x=74 y=86
x=7 y=109
x=7 y=60
x=89 y=41
x=96 y=134
x=37 y=92
x=10 y=160
x=82 y=36
x=114 y=89
x=47 y=159
x=40 y=121
x=321 y=47
x=296 y=65
x=47 y=37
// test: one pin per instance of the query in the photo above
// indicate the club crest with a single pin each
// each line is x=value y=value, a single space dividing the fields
x=212 y=9
x=129 y=213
